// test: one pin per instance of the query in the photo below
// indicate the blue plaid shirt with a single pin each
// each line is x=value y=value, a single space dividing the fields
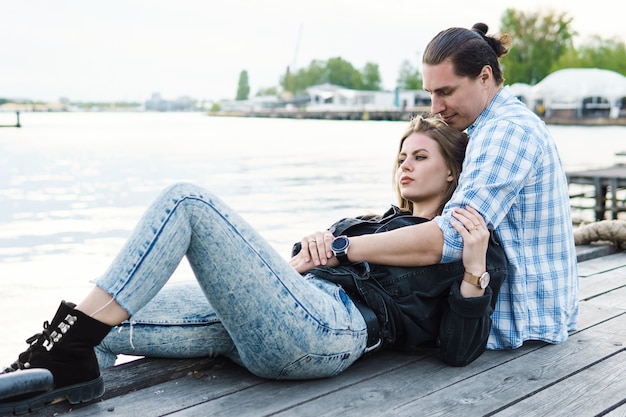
x=512 y=174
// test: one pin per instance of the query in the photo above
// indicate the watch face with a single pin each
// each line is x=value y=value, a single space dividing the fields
x=340 y=244
x=484 y=280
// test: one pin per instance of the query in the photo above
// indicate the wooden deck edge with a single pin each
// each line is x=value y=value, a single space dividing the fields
x=587 y=252
x=139 y=374
x=146 y=372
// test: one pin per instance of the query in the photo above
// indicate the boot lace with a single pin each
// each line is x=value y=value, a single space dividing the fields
x=44 y=340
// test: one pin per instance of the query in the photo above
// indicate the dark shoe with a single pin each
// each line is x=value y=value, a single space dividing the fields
x=65 y=348
x=19 y=390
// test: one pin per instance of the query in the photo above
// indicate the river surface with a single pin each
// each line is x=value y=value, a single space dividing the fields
x=73 y=185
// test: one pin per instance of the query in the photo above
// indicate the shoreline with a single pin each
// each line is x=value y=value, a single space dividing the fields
x=394 y=115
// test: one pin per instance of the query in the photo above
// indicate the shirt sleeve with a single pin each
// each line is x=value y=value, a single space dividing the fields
x=499 y=159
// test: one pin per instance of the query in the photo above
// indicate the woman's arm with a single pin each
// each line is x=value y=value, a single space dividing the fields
x=466 y=320
x=464 y=327
x=472 y=228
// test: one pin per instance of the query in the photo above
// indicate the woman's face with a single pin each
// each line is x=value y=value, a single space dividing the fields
x=459 y=100
x=422 y=175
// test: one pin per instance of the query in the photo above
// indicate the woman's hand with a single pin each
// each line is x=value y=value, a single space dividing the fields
x=315 y=252
x=471 y=225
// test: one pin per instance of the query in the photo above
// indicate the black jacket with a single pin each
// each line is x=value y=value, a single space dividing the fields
x=419 y=306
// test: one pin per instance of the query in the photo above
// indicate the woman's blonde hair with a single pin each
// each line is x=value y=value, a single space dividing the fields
x=452 y=144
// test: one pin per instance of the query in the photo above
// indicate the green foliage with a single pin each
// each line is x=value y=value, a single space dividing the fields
x=607 y=54
x=341 y=72
x=539 y=40
x=215 y=107
x=243 y=89
x=371 y=77
x=409 y=77
x=269 y=91
x=335 y=71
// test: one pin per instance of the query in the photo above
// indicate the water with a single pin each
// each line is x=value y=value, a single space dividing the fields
x=73 y=185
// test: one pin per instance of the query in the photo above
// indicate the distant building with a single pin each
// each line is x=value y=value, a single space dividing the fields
x=334 y=97
x=524 y=92
x=157 y=103
x=576 y=93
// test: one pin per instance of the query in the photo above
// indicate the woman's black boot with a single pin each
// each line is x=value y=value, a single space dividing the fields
x=65 y=347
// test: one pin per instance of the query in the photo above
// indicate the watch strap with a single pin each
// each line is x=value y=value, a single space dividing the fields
x=342 y=257
x=472 y=279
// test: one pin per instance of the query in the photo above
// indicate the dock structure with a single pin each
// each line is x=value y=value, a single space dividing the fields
x=371 y=115
x=606 y=183
x=17 y=122
x=583 y=376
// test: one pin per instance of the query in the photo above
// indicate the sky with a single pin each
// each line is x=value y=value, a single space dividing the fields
x=126 y=50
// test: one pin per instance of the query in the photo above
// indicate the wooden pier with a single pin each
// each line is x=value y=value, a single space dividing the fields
x=17 y=123
x=606 y=183
x=582 y=377
x=371 y=115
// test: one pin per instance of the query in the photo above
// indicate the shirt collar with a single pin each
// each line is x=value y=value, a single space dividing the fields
x=501 y=96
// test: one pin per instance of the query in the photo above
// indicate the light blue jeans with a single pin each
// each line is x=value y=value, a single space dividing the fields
x=248 y=303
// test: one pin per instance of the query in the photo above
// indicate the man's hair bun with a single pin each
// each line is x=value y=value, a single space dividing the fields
x=480 y=28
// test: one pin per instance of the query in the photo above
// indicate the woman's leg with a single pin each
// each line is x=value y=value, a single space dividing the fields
x=283 y=325
x=178 y=323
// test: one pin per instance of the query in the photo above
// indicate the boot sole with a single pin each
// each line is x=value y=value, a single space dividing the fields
x=74 y=394
x=22 y=382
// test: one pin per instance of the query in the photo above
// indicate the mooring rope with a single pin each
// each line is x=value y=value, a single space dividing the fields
x=613 y=231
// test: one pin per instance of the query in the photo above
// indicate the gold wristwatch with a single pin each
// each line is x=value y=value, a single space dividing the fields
x=481 y=281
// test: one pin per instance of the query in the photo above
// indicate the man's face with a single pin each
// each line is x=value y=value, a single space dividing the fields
x=459 y=100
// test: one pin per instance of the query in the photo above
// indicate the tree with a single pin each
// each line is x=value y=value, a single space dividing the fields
x=409 y=77
x=305 y=77
x=243 y=90
x=341 y=72
x=538 y=42
x=288 y=82
x=269 y=91
x=371 y=77
x=607 y=54
x=335 y=71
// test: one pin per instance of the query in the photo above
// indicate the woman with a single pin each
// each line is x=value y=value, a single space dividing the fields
x=256 y=308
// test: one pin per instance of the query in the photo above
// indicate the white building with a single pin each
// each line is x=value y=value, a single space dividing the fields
x=575 y=93
x=332 y=97
x=524 y=92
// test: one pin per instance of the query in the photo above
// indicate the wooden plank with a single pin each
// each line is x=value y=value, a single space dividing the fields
x=598 y=284
x=225 y=381
x=601 y=282
x=616 y=299
x=431 y=388
x=275 y=396
x=590 y=392
x=619 y=411
x=587 y=252
x=139 y=374
x=365 y=396
x=587 y=176
x=169 y=397
x=590 y=315
x=603 y=264
x=281 y=397
x=514 y=381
